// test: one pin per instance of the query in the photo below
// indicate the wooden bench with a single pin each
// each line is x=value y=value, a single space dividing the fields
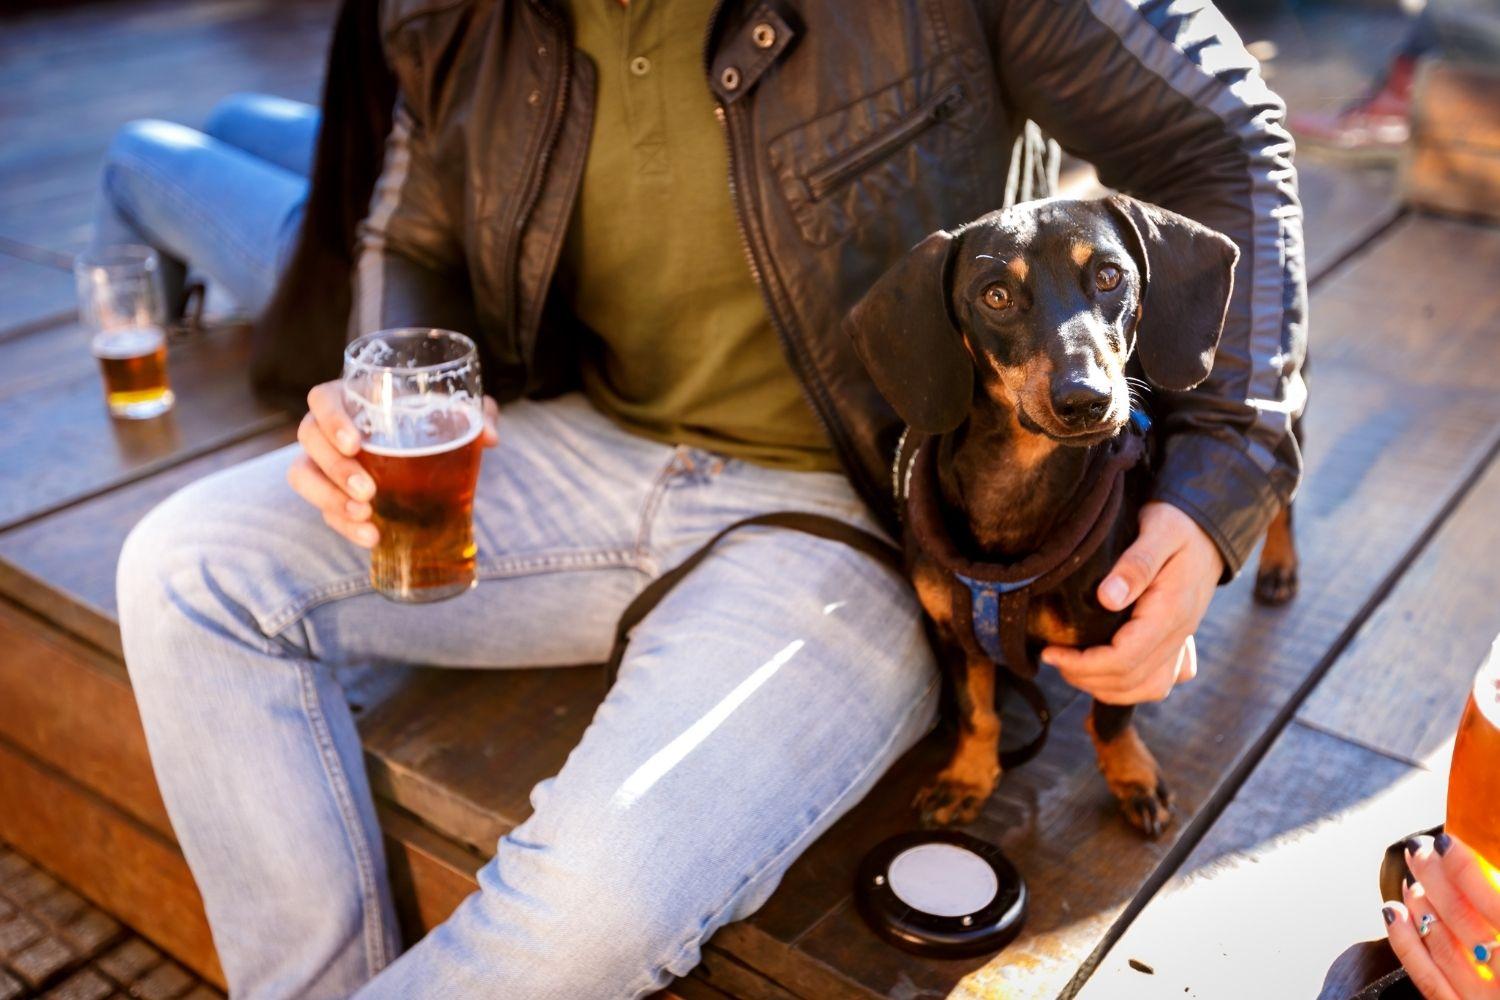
x=1291 y=767
x=1406 y=418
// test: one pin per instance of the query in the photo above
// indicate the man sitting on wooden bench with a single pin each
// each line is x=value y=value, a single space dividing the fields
x=555 y=183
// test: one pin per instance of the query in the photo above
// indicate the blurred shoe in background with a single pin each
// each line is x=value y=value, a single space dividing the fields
x=1377 y=124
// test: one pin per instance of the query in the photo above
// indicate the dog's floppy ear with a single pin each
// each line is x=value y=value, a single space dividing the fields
x=903 y=330
x=1188 y=274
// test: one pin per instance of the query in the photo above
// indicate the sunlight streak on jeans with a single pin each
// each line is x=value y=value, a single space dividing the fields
x=669 y=756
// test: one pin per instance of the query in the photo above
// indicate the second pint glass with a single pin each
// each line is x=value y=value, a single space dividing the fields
x=416 y=399
x=120 y=301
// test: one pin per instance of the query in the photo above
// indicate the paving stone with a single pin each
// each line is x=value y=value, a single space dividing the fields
x=58 y=907
x=18 y=934
x=42 y=961
x=10 y=986
x=27 y=887
x=130 y=961
x=84 y=985
x=11 y=863
x=92 y=931
x=203 y=991
x=167 y=981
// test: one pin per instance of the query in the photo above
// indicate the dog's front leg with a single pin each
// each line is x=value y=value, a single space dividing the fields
x=962 y=788
x=1132 y=773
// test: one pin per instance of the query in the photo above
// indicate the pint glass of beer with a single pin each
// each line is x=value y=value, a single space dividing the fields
x=120 y=302
x=415 y=396
x=1474 y=781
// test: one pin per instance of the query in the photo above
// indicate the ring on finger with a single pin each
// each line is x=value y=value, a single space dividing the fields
x=1484 y=951
x=1424 y=925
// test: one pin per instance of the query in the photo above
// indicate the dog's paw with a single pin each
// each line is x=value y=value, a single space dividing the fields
x=1276 y=584
x=1147 y=809
x=951 y=801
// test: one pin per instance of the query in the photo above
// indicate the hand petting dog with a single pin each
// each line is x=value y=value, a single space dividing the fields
x=1170 y=573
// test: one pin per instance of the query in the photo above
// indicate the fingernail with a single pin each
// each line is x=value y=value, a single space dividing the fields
x=1406 y=882
x=368 y=536
x=1115 y=591
x=348 y=443
x=1442 y=842
x=356 y=510
x=1389 y=913
x=1413 y=845
x=361 y=486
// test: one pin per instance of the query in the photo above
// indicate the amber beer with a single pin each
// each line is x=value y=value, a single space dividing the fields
x=424 y=506
x=416 y=399
x=1474 y=781
x=133 y=362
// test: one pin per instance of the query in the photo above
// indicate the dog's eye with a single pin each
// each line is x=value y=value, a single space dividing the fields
x=1107 y=278
x=997 y=297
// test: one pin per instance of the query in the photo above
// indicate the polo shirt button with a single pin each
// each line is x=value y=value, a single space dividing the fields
x=763 y=35
x=640 y=65
x=730 y=78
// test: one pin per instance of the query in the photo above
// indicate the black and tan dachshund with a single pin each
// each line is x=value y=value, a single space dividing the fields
x=1015 y=345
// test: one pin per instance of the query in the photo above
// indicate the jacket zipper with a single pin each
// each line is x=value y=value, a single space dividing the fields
x=934 y=110
x=812 y=389
x=538 y=173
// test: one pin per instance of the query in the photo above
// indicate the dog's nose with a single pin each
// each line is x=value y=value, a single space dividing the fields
x=1078 y=403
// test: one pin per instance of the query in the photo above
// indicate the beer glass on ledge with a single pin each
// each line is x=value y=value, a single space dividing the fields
x=415 y=396
x=120 y=302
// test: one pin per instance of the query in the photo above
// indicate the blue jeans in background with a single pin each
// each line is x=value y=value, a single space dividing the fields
x=756 y=704
x=225 y=202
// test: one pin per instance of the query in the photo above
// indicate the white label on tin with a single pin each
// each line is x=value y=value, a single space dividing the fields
x=943 y=880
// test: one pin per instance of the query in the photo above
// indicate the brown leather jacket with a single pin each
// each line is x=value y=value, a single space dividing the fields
x=854 y=130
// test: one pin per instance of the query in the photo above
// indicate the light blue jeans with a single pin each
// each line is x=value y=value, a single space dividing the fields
x=757 y=703
x=226 y=202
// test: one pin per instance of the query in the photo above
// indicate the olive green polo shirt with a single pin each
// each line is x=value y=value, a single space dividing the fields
x=679 y=347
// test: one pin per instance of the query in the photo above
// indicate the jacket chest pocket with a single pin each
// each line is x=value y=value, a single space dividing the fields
x=852 y=164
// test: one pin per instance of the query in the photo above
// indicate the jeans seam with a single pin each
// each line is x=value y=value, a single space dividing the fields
x=158 y=179
x=654 y=497
x=338 y=782
x=351 y=586
x=552 y=561
x=697 y=936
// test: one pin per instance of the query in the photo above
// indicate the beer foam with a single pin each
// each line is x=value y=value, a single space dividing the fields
x=127 y=342
x=397 y=451
x=409 y=425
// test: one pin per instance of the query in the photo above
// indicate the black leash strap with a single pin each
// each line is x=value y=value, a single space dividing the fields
x=810 y=524
x=823 y=527
x=1033 y=696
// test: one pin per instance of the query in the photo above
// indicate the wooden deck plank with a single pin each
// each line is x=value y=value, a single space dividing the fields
x=31 y=292
x=72 y=708
x=1285 y=881
x=63 y=565
x=1421 y=648
x=61 y=445
x=1384 y=457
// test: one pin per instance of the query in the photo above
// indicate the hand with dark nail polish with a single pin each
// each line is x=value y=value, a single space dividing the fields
x=1447 y=931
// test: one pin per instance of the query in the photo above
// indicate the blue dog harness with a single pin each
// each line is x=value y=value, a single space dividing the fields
x=996 y=595
x=990 y=609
